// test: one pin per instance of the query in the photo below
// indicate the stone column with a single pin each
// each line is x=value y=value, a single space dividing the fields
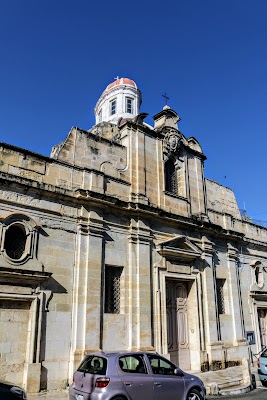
x=140 y=286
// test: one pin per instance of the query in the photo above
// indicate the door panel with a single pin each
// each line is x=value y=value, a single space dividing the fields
x=177 y=323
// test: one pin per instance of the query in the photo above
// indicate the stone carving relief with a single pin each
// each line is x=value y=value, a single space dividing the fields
x=107 y=131
x=172 y=142
x=259 y=274
x=19 y=198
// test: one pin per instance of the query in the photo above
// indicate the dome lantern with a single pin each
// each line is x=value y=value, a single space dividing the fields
x=120 y=99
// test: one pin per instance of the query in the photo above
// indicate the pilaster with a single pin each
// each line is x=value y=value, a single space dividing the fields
x=234 y=295
x=140 y=283
x=87 y=286
x=208 y=291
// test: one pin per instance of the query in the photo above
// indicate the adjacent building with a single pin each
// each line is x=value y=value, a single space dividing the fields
x=118 y=241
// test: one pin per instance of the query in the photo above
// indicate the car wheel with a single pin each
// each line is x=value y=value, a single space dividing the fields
x=264 y=383
x=194 y=395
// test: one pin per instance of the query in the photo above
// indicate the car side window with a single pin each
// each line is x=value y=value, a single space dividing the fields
x=160 y=366
x=132 y=364
x=93 y=365
x=264 y=353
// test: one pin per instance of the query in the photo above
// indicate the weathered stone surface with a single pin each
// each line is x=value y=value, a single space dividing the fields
x=102 y=201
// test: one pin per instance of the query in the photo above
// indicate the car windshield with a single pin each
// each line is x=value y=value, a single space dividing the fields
x=264 y=353
x=93 y=365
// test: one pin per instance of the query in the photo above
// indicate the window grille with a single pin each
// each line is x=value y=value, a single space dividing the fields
x=112 y=289
x=220 y=295
x=15 y=241
x=171 y=182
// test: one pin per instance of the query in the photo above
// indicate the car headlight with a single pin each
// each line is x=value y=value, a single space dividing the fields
x=19 y=391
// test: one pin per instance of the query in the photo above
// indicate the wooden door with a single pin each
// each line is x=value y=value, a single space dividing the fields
x=177 y=325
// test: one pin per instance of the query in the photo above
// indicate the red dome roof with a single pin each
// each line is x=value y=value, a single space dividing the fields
x=121 y=81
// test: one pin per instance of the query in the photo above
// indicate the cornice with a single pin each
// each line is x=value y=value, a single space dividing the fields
x=83 y=197
x=15 y=275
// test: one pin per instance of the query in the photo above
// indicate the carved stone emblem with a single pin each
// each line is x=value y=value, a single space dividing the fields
x=172 y=142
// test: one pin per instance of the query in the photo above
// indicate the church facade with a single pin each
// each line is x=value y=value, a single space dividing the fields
x=118 y=241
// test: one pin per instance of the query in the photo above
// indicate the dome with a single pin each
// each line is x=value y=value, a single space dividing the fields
x=120 y=99
x=121 y=81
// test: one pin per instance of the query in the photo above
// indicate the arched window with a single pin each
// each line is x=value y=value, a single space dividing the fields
x=171 y=181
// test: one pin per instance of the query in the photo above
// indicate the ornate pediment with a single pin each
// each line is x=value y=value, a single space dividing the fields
x=180 y=248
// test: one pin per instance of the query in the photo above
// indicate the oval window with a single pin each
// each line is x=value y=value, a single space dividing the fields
x=15 y=241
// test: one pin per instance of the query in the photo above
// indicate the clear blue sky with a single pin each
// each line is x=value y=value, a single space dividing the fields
x=209 y=56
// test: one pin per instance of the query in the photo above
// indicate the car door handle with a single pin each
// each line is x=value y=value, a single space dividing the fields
x=157 y=383
x=128 y=383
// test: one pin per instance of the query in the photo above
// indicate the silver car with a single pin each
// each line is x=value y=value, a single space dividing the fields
x=133 y=376
x=262 y=367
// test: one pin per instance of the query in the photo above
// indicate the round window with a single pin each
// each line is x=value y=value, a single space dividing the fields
x=15 y=241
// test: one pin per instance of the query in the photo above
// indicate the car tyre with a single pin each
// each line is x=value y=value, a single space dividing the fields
x=264 y=383
x=194 y=395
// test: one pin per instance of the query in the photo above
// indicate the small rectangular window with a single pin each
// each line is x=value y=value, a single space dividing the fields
x=112 y=289
x=113 y=107
x=220 y=295
x=129 y=105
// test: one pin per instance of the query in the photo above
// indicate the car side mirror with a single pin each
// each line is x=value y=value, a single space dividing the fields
x=178 y=372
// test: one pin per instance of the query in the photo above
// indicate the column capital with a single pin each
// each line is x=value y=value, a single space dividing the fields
x=232 y=252
x=207 y=247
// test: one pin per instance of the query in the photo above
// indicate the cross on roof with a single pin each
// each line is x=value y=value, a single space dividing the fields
x=166 y=98
x=116 y=78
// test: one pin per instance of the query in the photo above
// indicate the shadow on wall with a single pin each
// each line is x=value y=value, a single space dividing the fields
x=43 y=383
x=51 y=286
x=54 y=286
